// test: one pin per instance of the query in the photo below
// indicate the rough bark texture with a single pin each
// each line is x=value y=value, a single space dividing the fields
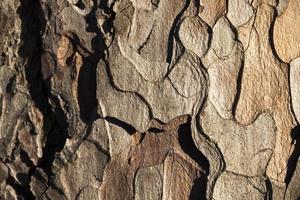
x=149 y=99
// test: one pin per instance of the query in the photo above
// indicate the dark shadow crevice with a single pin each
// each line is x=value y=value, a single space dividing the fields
x=188 y=146
x=239 y=83
x=271 y=37
x=293 y=159
x=23 y=192
x=172 y=32
x=55 y=125
x=127 y=127
x=198 y=191
x=87 y=75
x=87 y=85
x=155 y=130
x=269 y=189
x=215 y=159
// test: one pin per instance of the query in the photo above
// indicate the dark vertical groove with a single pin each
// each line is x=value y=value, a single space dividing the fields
x=239 y=83
x=30 y=51
x=172 y=32
x=293 y=159
x=87 y=85
x=87 y=76
x=188 y=146
x=271 y=38
x=269 y=195
x=23 y=192
x=216 y=159
x=55 y=125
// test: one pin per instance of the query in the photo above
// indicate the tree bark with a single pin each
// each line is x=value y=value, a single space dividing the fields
x=149 y=99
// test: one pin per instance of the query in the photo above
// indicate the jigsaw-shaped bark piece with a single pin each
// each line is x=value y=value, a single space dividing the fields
x=224 y=62
x=233 y=186
x=156 y=36
x=239 y=12
x=150 y=150
x=265 y=87
x=295 y=87
x=148 y=183
x=194 y=35
x=286 y=34
x=212 y=10
x=129 y=104
x=81 y=172
x=246 y=149
x=169 y=93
